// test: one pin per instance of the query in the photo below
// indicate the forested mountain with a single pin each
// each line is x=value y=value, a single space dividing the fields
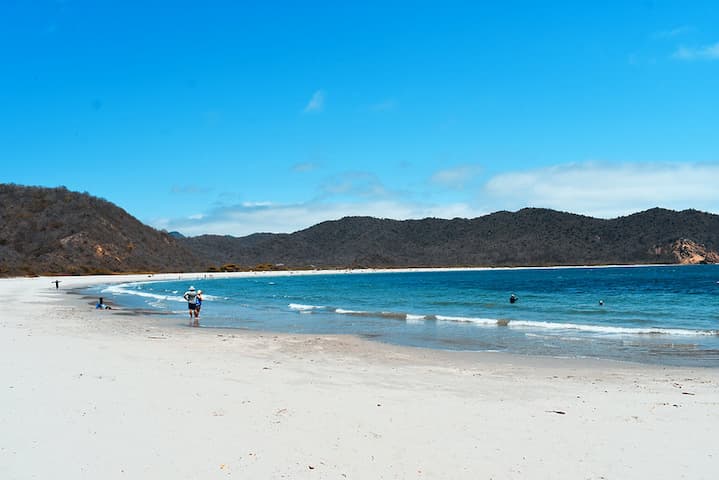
x=528 y=237
x=54 y=230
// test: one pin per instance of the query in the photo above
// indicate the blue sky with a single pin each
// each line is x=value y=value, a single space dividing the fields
x=239 y=117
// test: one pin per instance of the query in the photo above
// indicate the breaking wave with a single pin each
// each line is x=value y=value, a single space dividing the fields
x=414 y=318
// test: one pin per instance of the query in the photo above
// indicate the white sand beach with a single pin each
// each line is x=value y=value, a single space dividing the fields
x=92 y=394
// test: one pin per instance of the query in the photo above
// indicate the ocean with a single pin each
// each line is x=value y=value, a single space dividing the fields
x=652 y=314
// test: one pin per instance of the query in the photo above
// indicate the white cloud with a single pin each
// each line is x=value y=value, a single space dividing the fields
x=241 y=220
x=706 y=52
x=304 y=167
x=354 y=184
x=673 y=32
x=316 y=103
x=599 y=189
x=608 y=189
x=457 y=177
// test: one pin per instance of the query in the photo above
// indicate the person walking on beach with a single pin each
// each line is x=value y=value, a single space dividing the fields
x=191 y=297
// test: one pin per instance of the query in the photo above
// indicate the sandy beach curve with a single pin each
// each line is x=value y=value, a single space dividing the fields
x=112 y=394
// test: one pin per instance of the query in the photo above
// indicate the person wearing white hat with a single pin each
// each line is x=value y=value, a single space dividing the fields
x=191 y=297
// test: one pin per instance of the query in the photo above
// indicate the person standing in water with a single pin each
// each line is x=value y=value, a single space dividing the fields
x=191 y=297
x=198 y=306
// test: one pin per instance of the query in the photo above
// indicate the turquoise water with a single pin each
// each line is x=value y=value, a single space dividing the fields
x=665 y=315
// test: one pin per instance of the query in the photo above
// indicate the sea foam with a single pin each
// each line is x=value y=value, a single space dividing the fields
x=304 y=308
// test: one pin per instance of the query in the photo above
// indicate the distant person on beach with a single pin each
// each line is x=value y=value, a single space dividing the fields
x=101 y=305
x=191 y=297
x=57 y=284
x=513 y=298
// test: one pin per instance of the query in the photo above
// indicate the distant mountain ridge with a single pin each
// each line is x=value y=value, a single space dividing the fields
x=54 y=230
x=529 y=237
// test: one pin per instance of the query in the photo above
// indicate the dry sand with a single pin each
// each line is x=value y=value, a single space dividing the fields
x=90 y=394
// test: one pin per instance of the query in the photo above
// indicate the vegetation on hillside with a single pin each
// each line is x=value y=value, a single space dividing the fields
x=54 y=230
x=529 y=237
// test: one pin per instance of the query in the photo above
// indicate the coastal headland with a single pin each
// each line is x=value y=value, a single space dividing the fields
x=112 y=394
x=54 y=231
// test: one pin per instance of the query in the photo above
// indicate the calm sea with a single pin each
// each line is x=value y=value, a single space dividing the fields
x=665 y=315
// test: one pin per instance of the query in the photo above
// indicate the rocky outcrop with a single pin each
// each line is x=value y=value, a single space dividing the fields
x=688 y=252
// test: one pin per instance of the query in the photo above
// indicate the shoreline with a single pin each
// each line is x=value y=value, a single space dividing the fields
x=667 y=358
x=92 y=394
x=168 y=321
x=251 y=273
x=180 y=322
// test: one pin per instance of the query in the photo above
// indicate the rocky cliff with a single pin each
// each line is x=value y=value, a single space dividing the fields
x=688 y=252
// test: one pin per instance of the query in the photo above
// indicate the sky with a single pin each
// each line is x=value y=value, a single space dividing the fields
x=236 y=117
